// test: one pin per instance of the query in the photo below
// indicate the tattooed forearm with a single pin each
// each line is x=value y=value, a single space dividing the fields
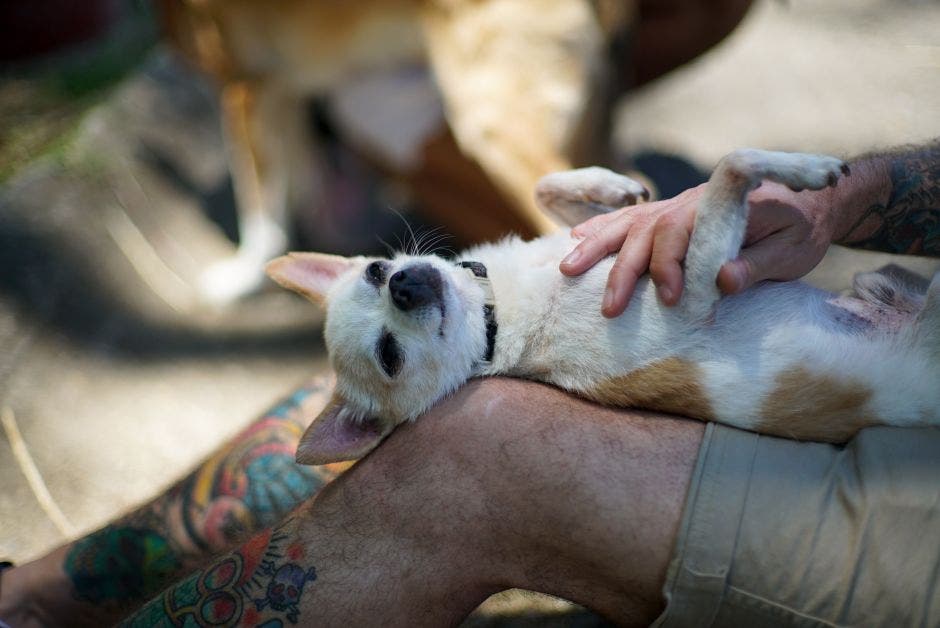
x=248 y=485
x=118 y=565
x=259 y=584
x=908 y=220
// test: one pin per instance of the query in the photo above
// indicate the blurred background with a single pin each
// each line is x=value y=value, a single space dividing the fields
x=115 y=195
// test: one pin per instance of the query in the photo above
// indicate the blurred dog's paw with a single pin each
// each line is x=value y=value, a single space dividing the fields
x=231 y=279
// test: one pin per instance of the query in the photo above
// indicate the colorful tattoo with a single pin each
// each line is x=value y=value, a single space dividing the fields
x=120 y=564
x=909 y=222
x=285 y=588
x=250 y=484
x=260 y=584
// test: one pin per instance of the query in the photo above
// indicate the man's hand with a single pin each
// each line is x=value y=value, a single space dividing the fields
x=787 y=235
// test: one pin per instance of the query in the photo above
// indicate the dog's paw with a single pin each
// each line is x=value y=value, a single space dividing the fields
x=573 y=196
x=808 y=172
x=231 y=279
x=797 y=171
x=242 y=274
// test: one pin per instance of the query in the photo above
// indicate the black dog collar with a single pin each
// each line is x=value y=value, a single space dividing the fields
x=489 y=305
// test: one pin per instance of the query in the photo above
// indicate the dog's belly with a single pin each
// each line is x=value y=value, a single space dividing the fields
x=866 y=317
x=800 y=363
x=783 y=359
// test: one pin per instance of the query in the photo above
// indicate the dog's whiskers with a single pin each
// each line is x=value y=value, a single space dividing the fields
x=420 y=239
x=391 y=249
x=431 y=243
x=418 y=243
x=411 y=232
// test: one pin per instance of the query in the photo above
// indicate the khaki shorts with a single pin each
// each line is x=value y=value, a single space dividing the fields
x=780 y=533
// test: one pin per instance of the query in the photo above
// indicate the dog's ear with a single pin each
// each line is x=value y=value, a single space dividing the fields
x=310 y=274
x=335 y=436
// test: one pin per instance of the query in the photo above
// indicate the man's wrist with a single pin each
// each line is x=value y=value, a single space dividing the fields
x=894 y=204
x=868 y=184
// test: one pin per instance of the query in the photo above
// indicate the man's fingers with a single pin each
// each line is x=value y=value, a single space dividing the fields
x=630 y=264
x=596 y=247
x=594 y=224
x=670 y=244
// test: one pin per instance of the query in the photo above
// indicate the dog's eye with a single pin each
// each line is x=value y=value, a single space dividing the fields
x=389 y=354
x=376 y=273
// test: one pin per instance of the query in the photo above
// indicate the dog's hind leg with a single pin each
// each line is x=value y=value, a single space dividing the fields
x=721 y=217
x=893 y=286
x=516 y=86
x=263 y=128
x=573 y=196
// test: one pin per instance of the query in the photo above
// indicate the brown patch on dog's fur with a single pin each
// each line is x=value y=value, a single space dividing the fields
x=672 y=385
x=808 y=406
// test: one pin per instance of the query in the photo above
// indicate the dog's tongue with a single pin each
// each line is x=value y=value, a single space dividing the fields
x=333 y=438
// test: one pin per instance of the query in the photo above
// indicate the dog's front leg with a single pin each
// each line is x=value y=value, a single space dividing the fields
x=264 y=131
x=573 y=196
x=721 y=217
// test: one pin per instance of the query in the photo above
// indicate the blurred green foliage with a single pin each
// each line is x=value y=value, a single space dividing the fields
x=43 y=100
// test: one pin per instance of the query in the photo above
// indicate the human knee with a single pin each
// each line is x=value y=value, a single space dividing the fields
x=418 y=472
x=477 y=428
x=458 y=438
x=442 y=473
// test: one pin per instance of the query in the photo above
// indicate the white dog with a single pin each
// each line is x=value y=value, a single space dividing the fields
x=780 y=358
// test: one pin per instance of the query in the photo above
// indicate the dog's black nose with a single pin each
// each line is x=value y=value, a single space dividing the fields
x=415 y=286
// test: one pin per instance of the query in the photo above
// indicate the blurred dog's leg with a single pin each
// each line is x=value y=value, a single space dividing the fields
x=264 y=132
x=516 y=86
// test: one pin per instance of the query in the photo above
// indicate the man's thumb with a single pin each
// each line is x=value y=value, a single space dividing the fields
x=734 y=276
x=752 y=265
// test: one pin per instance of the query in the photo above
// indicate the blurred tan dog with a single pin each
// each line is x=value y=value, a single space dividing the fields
x=523 y=85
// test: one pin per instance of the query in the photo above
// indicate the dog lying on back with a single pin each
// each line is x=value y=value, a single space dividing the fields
x=781 y=358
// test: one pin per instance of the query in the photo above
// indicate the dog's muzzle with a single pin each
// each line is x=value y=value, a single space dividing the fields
x=416 y=286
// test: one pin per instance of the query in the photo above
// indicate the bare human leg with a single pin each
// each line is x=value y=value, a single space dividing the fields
x=505 y=484
x=249 y=484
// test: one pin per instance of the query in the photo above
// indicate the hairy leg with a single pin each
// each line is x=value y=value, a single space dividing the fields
x=249 y=484
x=505 y=484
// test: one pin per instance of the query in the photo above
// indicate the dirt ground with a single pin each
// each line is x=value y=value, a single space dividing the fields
x=115 y=384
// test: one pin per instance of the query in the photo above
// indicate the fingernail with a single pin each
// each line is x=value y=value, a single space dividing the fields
x=573 y=257
x=665 y=294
